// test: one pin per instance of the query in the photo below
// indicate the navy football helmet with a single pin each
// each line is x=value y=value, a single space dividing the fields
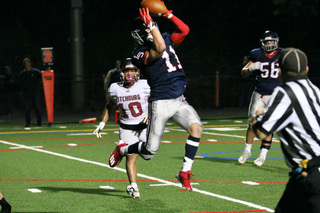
x=125 y=66
x=140 y=32
x=269 y=36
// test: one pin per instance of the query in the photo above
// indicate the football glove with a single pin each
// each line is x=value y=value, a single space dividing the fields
x=98 y=129
x=146 y=18
x=255 y=66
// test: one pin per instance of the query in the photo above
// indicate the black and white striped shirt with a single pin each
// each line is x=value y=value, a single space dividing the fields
x=294 y=113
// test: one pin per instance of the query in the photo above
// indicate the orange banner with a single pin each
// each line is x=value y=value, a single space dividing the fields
x=48 y=87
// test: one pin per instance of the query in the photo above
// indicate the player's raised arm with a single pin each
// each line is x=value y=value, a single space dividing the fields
x=183 y=29
x=158 y=46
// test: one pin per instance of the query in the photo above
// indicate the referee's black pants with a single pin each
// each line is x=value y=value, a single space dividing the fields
x=301 y=196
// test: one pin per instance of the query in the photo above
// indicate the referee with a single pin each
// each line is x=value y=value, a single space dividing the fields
x=294 y=113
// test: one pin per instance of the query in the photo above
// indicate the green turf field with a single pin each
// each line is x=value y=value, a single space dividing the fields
x=64 y=168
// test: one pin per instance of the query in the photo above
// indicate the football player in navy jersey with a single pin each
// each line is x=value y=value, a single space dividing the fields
x=156 y=59
x=263 y=63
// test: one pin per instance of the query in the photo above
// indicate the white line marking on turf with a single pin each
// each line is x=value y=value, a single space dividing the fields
x=251 y=183
x=227 y=135
x=169 y=184
x=72 y=144
x=34 y=190
x=102 y=133
x=106 y=187
x=140 y=175
x=212 y=140
x=17 y=147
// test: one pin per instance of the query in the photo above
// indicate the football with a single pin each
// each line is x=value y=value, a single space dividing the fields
x=156 y=7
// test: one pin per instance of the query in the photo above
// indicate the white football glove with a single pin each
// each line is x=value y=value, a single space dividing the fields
x=255 y=66
x=98 y=129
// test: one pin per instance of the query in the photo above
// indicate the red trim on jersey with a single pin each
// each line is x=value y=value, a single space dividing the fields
x=145 y=57
x=270 y=56
x=178 y=37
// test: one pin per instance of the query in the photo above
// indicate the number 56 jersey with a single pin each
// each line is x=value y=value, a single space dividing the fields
x=132 y=102
x=267 y=78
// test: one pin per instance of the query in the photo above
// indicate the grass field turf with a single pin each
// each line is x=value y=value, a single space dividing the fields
x=76 y=178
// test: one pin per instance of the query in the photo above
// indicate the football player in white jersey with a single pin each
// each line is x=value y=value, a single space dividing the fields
x=131 y=96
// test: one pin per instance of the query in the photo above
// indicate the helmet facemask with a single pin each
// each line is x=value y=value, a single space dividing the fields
x=269 y=36
x=141 y=33
x=128 y=78
x=269 y=47
x=126 y=72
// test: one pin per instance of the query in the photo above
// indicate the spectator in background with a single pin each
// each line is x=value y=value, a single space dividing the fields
x=6 y=207
x=112 y=76
x=30 y=79
x=12 y=89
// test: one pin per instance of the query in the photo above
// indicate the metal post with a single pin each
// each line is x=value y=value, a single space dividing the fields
x=217 y=89
x=77 y=53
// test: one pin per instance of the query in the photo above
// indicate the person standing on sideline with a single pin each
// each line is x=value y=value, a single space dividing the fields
x=30 y=79
x=5 y=206
x=263 y=63
x=12 y=89
x=158 y=62
x=131 y=96
x=293 y=113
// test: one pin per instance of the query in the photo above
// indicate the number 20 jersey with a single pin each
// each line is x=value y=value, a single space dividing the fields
x=165 y=75
x=133 y=101
x=267 y=78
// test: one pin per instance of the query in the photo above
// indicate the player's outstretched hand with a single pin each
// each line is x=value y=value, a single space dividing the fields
x=146 y=18
x=98 y=129
x=255 y=66
x=168 y=14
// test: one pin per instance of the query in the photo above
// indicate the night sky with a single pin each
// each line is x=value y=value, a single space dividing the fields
x=222 y=32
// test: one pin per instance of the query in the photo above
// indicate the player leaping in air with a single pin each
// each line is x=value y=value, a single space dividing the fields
x=156 y=59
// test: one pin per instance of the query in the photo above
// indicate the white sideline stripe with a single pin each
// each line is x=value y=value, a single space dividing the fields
x=141 y=175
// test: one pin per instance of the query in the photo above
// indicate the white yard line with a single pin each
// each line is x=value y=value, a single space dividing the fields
x=140 y=175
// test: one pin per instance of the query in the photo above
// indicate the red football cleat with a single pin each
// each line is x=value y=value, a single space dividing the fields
x=116 y=156
x=184 y=178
